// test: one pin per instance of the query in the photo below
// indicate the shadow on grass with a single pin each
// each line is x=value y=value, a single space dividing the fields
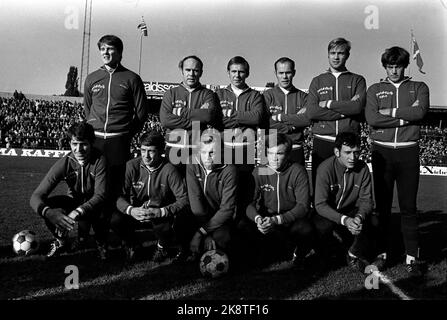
x=433 y=235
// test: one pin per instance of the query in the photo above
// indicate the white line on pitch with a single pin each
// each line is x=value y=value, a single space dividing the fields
x=384 y=279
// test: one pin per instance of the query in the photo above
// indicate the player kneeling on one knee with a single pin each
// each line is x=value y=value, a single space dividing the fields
x=153 y=194
x=343 y=197
x=212 y=188
x=83 y=169
x=280 y=205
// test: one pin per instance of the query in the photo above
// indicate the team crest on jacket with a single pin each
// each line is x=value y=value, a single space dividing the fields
x=98 y=87
x=138 y=185
x=384 y=94
x=325 y=90
x=179 y=104
x=335 y=187
x=267 y=187
x=226 y=104
x=275 y=109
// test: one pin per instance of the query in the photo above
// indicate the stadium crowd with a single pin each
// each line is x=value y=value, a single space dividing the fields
x=42 y=124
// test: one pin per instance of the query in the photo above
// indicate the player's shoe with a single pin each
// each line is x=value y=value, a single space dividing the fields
x=56 y=247
x=416 y=268
x=299 y=260
x=356 y=263
x=130 y=252
x=181 y=256
x=102 y=251
x=160 y=255
x=380 y=263
x=79 y=243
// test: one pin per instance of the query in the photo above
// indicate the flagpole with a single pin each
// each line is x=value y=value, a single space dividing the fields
x=411 y=52
x=141 y=47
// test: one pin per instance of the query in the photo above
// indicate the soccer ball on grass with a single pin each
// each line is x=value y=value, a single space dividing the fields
x=25 y=243
x=214 y=263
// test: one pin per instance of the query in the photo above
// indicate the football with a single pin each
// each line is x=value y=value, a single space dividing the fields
x=25 y=243
x=214 y=263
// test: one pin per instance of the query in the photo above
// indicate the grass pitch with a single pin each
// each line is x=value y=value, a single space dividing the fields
x=36 y=278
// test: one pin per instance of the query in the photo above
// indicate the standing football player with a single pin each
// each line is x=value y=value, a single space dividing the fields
x=287 y=107
x=183 y=106
x=115 y=105
x=395 y=106
x=244 y=111
x=84 y=171
x=335 y=103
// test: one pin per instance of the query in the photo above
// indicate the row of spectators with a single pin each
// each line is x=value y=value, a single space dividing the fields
x=43 y=124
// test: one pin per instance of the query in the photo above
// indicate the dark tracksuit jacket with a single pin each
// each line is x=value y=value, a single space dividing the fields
x=212 y=196
x=339 y=191
x=86 y=184
x=343 y=114
x=385 y=95
x=115 y=103
x=288 y=106
x=246 y=112
x=284 y=194
x=162 y=188
x=180 y=108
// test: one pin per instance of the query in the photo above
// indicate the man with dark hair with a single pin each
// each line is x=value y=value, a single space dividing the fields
x=212 y=188
x=83 y=169
x=244 y=111
x=395 y=107
x=115 y=105
x=154 y=193
x=335 y=103
x=343 y=199
x=287 y=107
x=185 y=105
x=280 y=205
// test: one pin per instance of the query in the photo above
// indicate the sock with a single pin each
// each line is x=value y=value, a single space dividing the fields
x=410 y=259
x=382 y=255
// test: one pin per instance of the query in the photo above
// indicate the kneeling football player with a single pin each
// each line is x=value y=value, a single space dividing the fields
x=343 y=200
x=83 y=169
x=153 y=194
x=278 y=212
x=212 y=188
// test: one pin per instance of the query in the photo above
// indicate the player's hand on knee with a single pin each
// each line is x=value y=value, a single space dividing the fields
x=58 y=218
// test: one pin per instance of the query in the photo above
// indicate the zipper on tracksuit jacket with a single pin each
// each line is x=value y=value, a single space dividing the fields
x=343 y=191
x=82 y=179
x=108 y=104
x=397 y=107
x=277 y=192
x=336 y=99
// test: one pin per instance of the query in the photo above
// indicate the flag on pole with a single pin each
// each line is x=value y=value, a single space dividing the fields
x=417 y=54
x=143 y=27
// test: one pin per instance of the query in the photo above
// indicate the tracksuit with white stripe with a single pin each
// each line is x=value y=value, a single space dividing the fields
x=346 y=96
x=339 y=192
x=287 y=112
x=161 y=187
x=395 y=154
x=284 y=195
x=182 y=109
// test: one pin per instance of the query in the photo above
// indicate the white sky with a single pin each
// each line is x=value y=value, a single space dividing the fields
x=40 y=40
